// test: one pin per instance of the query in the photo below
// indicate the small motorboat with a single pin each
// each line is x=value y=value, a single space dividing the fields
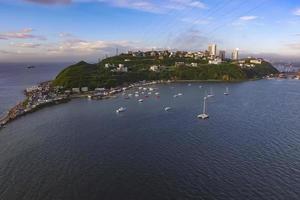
x=141 y=100
x=121 y=109
x=167 y=108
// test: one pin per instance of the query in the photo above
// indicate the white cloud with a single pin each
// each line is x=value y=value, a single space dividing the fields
x=297 y=12
x=196 y=21
x=65 y=35
x=50 y=1
x=25 y=33
x=248 y=18
x=243 y=20
x=26 y=45
x=156 y=6
x=153 y=6
x=80 y=46
x=293 y=46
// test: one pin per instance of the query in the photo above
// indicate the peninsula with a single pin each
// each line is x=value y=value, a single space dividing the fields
x=133 y=69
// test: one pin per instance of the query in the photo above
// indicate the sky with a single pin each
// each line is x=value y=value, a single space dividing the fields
x=73 y=30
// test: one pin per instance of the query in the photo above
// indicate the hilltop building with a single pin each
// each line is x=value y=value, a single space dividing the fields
x=121 y=68
x=235 y=54
x=215 y=61
x=222 y=55
x=212 y=49
x=256 y=61
x=154 y=68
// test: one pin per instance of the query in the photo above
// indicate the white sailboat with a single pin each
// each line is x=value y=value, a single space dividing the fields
x=226 y=92
x=204 y=115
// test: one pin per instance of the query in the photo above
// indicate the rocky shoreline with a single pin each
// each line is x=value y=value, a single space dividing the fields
x=44 y=95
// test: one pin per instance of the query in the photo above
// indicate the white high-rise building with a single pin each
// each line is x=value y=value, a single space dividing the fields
x=235 y=54
x=212 y=49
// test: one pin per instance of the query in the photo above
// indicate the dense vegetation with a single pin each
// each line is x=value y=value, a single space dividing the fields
x=97 y=75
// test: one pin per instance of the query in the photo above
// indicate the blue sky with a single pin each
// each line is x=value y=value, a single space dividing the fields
x=71 y=30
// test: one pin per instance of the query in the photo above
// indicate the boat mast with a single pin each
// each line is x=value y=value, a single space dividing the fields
x=204 y=105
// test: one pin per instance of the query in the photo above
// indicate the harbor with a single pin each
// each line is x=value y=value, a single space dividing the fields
x=44 y=95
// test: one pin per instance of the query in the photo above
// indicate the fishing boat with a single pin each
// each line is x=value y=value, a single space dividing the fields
x=204 y=115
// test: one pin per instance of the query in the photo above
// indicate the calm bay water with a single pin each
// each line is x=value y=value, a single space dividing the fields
x=248 y=149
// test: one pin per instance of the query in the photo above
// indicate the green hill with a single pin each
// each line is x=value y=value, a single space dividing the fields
x=97 y=75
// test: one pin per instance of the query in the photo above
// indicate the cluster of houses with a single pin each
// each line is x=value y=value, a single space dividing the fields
x=250 y=62
x=118 y=68
x=171 y=54
x=211 y=55
x=42 y=94
x=36 y=97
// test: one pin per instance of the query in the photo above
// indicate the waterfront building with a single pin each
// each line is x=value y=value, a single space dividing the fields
x=100 y=89
x=84 y=89
x=76 y=90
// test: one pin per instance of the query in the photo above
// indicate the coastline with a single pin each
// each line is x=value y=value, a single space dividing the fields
x=110 y=93
x=18 y=110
